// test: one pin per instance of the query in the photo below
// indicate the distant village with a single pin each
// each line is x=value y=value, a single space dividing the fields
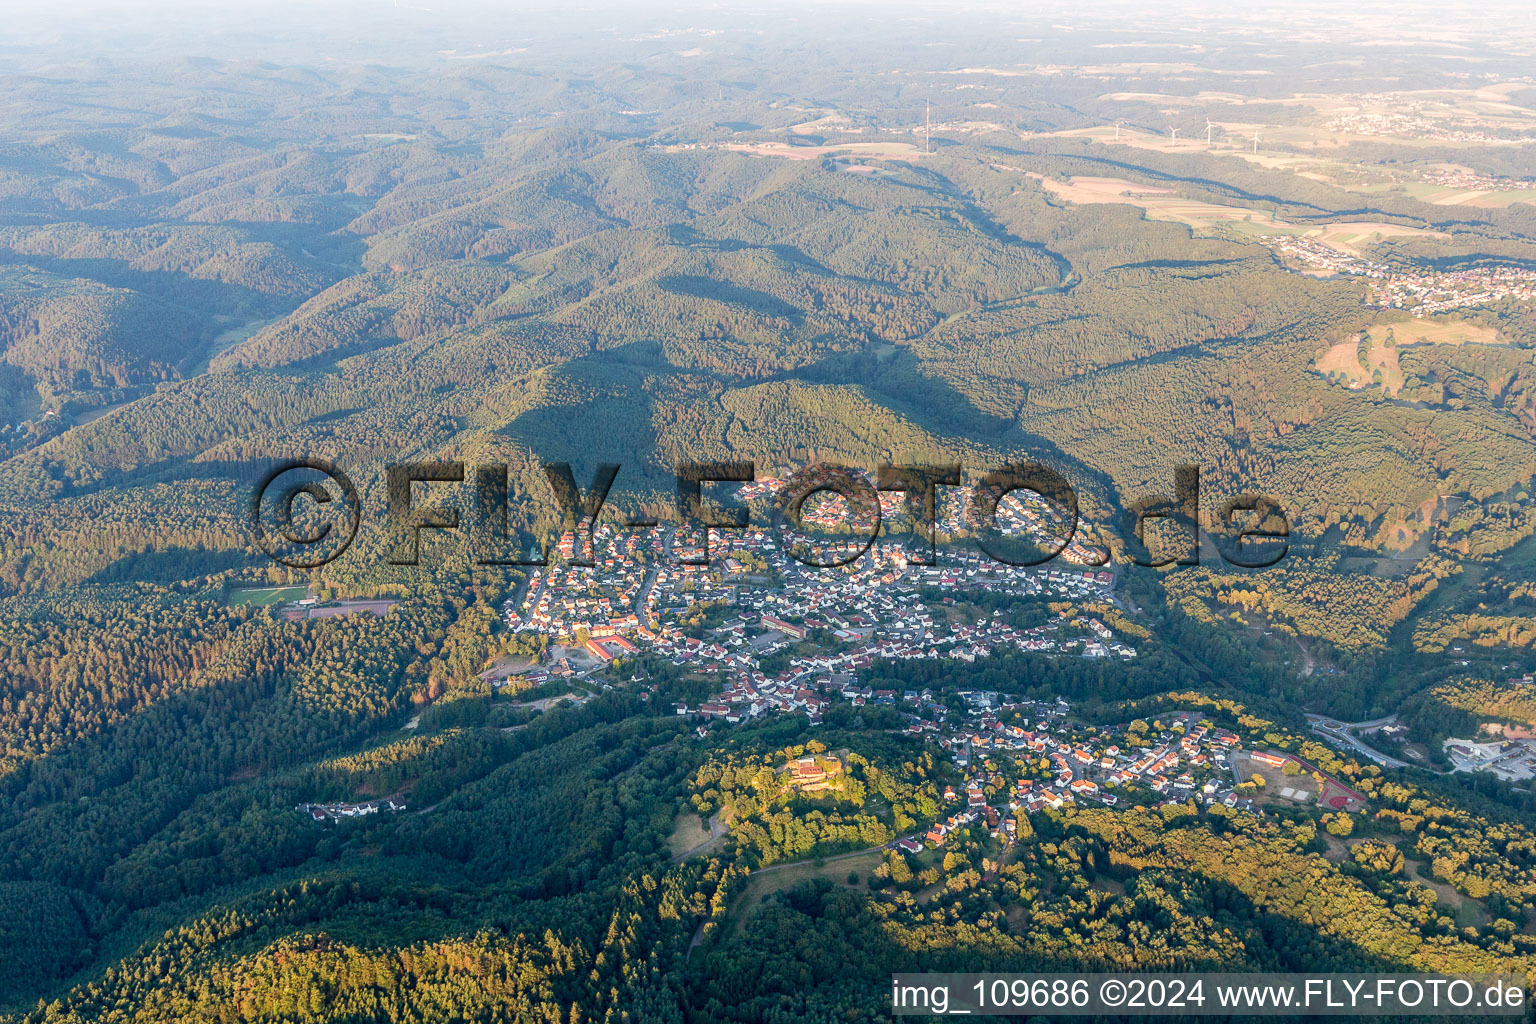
x=1420 y=293
x=1472 y=181
x=1413 y=119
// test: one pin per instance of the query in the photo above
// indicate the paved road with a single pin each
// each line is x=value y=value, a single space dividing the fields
x=545 y=703
x=1371 y=724
x=716 y=830
x=641 y=611
x=650 y=579
x=826 y=860
x=1349 y=741
x=521 y=592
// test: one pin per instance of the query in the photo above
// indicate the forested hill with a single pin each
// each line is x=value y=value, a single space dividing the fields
x=390 y=294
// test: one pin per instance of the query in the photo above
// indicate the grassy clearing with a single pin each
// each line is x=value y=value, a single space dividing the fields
x=1435 y=332
x=687 y=832
x=260 y=597
x=1379 y=369
x=1467 y=911
x=1165 y=204
x=762 y=883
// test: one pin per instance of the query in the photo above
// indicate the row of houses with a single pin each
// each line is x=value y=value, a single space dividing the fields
x=343 y=811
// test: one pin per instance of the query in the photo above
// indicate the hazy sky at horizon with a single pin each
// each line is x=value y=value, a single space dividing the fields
x=308 y=30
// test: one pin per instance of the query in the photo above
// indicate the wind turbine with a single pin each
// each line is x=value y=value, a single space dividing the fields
x=1208 y=128
x=1174 y=132
x=1255 y=143
x=1117 y=131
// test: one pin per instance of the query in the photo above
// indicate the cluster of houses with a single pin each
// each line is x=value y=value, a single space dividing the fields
x=680 y=588
x=635 y=597
x=343 y=811
x=1420 y=292
x=1424 y=293
x=939 y=834
x=1471 y=180
x=1315 y=256
x=1020 y=514
x=600 y=599
x=1185 y=759
x=1409 y=118
x=874 y=613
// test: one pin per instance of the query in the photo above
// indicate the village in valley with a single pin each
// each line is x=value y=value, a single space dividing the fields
x=341 y=811
x=1419 y=292
x=779 y=636
x=771 y=634
x=783 y=636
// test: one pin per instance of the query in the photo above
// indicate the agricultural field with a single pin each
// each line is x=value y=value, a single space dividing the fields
x=787 y=151
x=1159 y=203
x=1449 y=195
x=1351 y=236
x=1325 y=145
x=1166 y=204
x=1380 y=366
